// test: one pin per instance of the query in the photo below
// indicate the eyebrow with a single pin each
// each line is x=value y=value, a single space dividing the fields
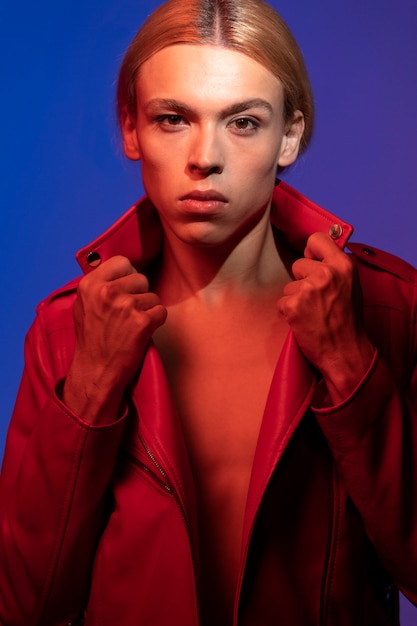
x=154 y=105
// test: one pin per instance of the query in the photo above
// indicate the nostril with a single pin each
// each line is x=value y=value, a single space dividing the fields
x=205 y=170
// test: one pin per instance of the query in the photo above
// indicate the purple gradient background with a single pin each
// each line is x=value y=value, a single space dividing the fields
x=64 y=178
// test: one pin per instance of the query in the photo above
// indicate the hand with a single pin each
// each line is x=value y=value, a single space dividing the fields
x=323 y=308
x=115 y=316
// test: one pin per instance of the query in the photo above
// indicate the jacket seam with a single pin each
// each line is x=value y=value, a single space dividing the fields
x=43 y=334
x=63 y=523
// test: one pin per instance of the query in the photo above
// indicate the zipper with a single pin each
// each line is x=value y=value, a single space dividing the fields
x=162 y=482
x=167 y=485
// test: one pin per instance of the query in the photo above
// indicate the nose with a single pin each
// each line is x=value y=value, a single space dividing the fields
x=206 y=153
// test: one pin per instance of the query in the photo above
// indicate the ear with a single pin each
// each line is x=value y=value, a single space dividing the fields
x=130 y=138
x=293 y=134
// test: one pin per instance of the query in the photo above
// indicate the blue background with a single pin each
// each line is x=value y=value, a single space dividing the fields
x=64 y=178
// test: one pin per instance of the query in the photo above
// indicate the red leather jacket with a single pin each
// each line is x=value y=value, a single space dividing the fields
x=104 y=517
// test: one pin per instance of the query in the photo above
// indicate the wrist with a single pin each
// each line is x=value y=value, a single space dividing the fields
x=92 y=399
x=345 y=371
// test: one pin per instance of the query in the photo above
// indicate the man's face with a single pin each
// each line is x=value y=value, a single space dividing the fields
x=210 y=134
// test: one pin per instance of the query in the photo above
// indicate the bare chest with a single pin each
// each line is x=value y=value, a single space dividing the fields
x=220 y=372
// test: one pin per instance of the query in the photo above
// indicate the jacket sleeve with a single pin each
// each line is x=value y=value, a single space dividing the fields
x=373 y=439
x=55 y=474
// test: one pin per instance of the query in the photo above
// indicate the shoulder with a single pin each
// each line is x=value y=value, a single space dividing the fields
x=385 y=278
x=381 y=260
x=57 y=306
x=389 y=291
x=51 y=339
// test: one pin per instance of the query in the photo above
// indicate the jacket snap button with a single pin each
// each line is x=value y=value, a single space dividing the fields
x=335 y=231
x=93 y=259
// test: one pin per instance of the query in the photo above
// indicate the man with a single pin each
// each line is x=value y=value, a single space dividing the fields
x=211 y=428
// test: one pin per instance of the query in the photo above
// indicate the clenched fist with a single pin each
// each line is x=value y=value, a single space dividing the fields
x=115 y=316
x=323 y=308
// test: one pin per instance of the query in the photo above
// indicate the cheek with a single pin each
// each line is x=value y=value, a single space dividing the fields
x=154 y=172
x=159 y=159
x=256 y=179
x=260 y=158
x=160 y=177
x=258 y=170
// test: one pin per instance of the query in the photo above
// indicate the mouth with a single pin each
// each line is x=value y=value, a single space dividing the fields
x=205 y=196
x=203 y=202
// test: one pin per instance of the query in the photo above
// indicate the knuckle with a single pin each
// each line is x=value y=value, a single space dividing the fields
x=143 y=301
x=86 y=280
x=290 y=309
x=143 y=322
x=125 y=306
x=108 y=292
x=85 y=286
x=325 y=276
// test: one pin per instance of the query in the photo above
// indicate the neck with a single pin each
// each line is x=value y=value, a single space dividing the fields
x=213 y=274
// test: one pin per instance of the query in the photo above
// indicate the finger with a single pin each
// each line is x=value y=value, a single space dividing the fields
x=282 y=306
x=110 y=291
x=114 y=268
x=156 y=316
x=146 y=301
x=291 y=288
x=322 y=248
x=132 y=283
x=302 y=268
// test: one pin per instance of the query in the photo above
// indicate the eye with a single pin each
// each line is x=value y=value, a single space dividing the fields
x=174 y=119
x=170 y=121
x=244 y=125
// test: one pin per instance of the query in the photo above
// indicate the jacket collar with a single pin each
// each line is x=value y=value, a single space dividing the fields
x=138 y=236
x=138 y=233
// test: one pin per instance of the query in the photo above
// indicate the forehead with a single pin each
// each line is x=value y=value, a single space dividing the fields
x=206 y=73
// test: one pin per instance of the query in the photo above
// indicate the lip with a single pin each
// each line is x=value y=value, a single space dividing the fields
x=205 y=196
x=203 y=204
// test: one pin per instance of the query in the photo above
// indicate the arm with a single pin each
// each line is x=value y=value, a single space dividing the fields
x=366 y=411
x=57 y=467
x=373 y=439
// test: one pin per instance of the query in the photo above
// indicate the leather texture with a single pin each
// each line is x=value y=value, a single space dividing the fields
x=100 y=522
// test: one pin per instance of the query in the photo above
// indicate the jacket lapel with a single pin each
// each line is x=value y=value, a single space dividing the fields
x=290 y=396
x=159 y=430
x=138 y=235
